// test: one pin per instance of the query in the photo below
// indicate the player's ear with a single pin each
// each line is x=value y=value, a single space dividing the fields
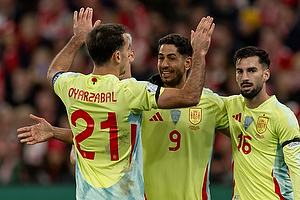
x=116 y=56
x=266 y=75
x=188 y=63
x=132 y=56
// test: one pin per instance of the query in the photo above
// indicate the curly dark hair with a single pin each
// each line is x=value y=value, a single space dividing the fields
x=182 y=43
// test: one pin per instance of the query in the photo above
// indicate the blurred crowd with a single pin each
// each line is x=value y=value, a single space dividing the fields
x=32 y=32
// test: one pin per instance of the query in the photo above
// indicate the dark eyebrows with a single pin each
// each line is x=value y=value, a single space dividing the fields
x=252 y=68
x=170 y=54
x=248 y=69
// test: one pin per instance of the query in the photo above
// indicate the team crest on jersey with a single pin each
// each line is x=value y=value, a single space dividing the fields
x=195 y=115
x=261 y=125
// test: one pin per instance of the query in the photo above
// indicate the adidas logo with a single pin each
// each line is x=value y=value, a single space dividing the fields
x=156 y=117
x=237 y=117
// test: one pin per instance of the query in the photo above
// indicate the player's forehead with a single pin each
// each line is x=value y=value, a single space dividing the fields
x=249 y=62
x=168 y=49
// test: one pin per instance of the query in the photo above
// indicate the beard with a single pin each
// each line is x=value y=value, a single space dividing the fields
x=252 y=93
x=174 y=82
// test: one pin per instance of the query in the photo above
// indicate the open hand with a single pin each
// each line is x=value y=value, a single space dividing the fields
x=38 y=133
x=83 y=23
x=201 y=37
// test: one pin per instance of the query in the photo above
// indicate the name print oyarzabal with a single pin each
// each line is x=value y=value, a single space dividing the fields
x=101 y=97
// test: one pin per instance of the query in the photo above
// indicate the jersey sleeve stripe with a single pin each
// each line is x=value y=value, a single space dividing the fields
x=289 y=114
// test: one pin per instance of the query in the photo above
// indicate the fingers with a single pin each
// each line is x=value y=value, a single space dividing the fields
x=84 y=14
x=205 y=25
x=75 y=17
x=208 y=25
x=24 y=135
x=200 y=25
x=29 y=139
x=89 y=14
x=81 y=11
x=201 y=37
x=97 y=23
x=26 y=140
x=32 y=142
x=36 y=118
x=192 y=34
x=211 y=30
x=24 y=129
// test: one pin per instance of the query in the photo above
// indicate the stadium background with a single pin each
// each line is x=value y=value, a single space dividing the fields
x=33 y=31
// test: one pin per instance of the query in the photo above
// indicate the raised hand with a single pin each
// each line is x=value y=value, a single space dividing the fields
x=38 y=133
x=82 y=23
x=201 y=37
x=81 y=27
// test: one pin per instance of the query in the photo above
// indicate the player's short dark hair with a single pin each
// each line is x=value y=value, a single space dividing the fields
x=182 y=43
x=251 y=51
x=104 y=40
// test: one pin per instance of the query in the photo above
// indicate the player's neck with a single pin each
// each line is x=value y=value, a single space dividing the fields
x=257 y=100
x=106 y=69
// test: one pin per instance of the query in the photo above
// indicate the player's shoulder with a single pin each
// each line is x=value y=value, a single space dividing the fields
x=132 y=81
x=280 y=112
x=138 y=86
x=209 y=96
x=233 y=99
x=277 y=106
x=64 y=77
x=72 y=74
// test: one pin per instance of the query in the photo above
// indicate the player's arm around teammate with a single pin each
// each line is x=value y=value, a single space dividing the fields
x=189 y=95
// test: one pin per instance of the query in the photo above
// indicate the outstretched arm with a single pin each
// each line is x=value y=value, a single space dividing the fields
x=190 y=94
x=42 y=132
x=81 y=27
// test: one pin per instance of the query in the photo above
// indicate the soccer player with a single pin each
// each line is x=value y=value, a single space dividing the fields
x=178 y=143
x=65 y=133
x=105 y=113
x=264 y=133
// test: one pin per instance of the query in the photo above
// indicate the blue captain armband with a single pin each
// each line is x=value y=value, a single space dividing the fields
x=292 y=143
x=55 y=77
